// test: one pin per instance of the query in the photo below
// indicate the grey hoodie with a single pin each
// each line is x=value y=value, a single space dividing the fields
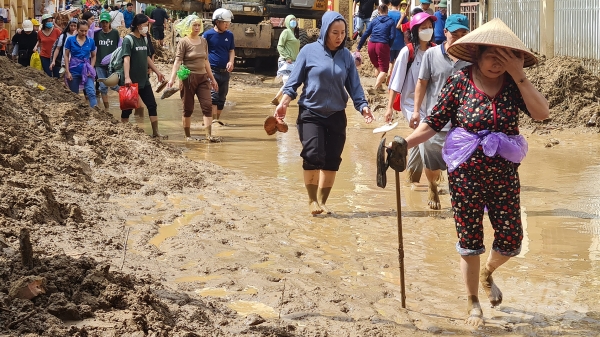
x=327 y=79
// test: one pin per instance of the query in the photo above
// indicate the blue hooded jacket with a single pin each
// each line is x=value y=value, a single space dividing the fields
x=382 y=30
x=327 y=79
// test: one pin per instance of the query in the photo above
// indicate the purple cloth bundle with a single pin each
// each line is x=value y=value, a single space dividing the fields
x=460 y=145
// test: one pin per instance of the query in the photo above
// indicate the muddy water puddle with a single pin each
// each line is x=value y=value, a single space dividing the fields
x=354 y=251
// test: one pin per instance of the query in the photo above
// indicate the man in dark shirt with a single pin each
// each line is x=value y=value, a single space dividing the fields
x=362 y=18
x=158 y=28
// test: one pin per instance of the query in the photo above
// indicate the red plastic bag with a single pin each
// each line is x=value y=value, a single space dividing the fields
x=129 y=97
x=396 y=104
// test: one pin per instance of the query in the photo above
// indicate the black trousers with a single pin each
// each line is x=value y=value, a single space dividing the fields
x=322 y=139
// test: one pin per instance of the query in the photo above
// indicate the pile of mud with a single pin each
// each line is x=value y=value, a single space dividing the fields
x=81 y=289
x=572 y=91
x=60 y=162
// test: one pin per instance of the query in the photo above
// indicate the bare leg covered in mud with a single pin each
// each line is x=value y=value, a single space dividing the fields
x=155 y=133
x=469 y=266
x=311 y=182
x=326 y=180
x=492 y=291
x=433 y=178
x=216 y=113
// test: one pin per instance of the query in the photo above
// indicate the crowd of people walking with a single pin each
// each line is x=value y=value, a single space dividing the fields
x=459 y=91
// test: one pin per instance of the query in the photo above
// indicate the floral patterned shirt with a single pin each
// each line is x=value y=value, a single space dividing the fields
x=467 y=106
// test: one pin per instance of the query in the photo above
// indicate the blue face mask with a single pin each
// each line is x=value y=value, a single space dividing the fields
x=293 y=24
x=49 y=25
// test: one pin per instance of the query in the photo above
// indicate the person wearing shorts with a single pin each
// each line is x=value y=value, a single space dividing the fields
x=221 y=55
x=192 y=52
x=437 y=65
x=327 y=72
x=160 y=16
x=382 y=31
x=404 y=79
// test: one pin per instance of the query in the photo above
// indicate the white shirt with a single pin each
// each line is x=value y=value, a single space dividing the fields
x=406 y=83
x=117 y=19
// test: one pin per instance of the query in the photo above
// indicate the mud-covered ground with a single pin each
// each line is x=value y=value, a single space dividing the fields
x=132 y=238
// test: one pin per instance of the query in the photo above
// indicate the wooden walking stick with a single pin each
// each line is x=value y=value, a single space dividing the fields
x=396 y=159
x=400 y=240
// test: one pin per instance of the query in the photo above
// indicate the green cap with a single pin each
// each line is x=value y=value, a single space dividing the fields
x=105 y=17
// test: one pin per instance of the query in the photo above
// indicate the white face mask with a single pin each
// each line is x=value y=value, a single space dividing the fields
x=426 y=34
x=145 y=30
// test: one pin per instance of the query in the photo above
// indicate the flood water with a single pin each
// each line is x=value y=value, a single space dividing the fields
x=555 y=279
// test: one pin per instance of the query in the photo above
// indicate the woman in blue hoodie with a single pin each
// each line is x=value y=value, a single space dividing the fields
x=327 y=72
x=382 y=31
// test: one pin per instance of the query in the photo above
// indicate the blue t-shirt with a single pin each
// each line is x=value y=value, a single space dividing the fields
x=438 y=28
x=81 y=52
x=128 y=17
x=399 y=38
x=219 y=45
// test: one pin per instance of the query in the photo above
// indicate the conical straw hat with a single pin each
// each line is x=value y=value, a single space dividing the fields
x=495 y=34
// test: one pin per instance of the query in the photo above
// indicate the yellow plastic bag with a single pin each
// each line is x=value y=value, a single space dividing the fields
x=184 y=27
x=36 y=61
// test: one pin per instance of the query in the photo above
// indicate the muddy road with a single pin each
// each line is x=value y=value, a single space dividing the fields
x=340 y=272
x=204 y=241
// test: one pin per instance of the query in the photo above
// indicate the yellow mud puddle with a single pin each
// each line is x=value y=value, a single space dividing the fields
x=245 y=308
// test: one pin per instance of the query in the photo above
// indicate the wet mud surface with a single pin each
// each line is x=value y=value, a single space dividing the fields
x=137 y=237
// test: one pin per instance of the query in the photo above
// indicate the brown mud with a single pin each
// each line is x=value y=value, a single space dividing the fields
x=134 y=239
x=573 y=92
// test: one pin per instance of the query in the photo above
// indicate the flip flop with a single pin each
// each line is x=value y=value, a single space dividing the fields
x=281 y=125
x=161 y=86
x=385 y=128
x=382 y=165
x=169 y=92
x=397 y=154
x=270 y=125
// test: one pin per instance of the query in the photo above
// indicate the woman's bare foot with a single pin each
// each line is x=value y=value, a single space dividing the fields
x=314 y=207
x=475 y=317
x=491 y=289
x=326 y=209
x=434 y=197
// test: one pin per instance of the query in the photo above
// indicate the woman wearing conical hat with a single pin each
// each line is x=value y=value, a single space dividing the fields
x=483 y=149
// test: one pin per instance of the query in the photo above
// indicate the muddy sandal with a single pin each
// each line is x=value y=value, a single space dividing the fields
x=169 y=92
x=281 y=125
x=161 y=86
x=397 y=154
x=382 y=165
x=270 y=125
x=213 y=139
